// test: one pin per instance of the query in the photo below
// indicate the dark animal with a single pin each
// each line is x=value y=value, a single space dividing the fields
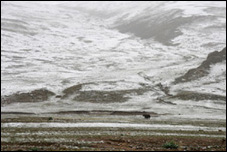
x=147 y=116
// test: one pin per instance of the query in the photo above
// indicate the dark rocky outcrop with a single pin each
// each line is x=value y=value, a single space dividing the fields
x=33 y=96
x=203 y=69
x=101 y=96
x=196 y=96
x=164 y=89
x=16 y=113
x=72 y=90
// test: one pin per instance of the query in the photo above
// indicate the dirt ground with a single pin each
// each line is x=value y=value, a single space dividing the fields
x=105 y=138
x=121 y=143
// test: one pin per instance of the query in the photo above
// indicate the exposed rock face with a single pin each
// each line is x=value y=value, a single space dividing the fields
x=34 y=96
x=72 y=90
x=164 y=89
x=202 y=70
x=101 y=96
x=190 y=95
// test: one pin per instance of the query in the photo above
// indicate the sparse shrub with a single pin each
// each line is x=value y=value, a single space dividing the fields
x=50 y=118
x=170 y=145
x=35 y=149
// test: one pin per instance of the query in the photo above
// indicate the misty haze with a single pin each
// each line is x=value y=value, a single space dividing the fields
x=113 y=75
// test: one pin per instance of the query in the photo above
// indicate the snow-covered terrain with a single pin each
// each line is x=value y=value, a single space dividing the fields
x=122 y=125
x=138 y=48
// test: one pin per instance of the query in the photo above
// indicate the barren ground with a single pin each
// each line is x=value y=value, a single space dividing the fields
x=42 y=137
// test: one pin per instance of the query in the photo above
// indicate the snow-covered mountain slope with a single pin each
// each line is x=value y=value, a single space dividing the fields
x=111 y=55
x=162 y=21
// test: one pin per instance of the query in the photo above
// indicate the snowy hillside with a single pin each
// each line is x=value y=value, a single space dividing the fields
x=67 y=56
